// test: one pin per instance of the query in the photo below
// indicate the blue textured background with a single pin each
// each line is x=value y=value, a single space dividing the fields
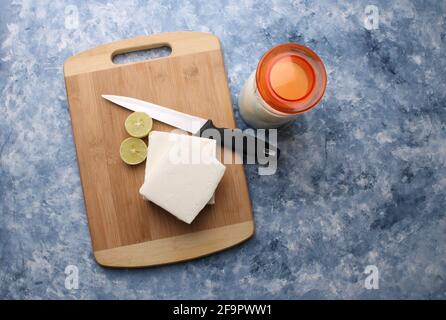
x=362 y=179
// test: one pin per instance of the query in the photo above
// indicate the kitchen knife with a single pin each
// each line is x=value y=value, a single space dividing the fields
x=201 y=127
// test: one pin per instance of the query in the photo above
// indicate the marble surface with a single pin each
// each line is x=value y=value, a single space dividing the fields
x=361 y=182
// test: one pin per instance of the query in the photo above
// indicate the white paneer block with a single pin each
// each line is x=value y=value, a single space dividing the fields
x=183 y=177
x=160 y=142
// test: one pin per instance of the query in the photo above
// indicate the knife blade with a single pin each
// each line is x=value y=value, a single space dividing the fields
x=198 y=126
x=169 y=116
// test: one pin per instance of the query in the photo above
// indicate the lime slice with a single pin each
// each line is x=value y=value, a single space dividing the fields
x=133 y=151
x=138 y=124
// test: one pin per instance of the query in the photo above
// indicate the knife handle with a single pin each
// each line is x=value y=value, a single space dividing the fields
x=250 y=147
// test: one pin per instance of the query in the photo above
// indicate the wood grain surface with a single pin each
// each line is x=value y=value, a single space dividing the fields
x=127 y=231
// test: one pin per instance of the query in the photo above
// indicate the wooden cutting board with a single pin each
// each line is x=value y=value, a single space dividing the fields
x=125 y=230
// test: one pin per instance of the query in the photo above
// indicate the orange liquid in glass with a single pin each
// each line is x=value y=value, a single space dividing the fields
x=291 y=78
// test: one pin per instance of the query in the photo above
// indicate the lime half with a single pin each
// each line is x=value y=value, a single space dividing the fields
x=133 y=151
x=138 y=124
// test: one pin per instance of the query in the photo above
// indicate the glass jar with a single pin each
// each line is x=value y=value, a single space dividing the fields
x=290 y=79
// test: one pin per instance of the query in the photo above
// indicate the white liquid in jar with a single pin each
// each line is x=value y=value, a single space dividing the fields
x=255 y=111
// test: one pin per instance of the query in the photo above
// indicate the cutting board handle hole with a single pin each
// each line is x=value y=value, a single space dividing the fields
x=141 y=55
